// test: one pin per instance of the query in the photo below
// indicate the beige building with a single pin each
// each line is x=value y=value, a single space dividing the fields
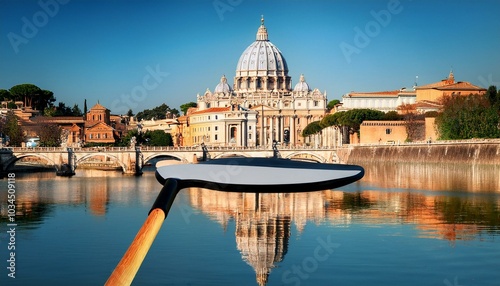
x=261 y=105
x=432 y=92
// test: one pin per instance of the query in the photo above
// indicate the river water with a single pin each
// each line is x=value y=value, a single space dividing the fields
x=399 y=225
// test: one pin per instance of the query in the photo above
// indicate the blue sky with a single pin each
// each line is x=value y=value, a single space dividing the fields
x=140 y=54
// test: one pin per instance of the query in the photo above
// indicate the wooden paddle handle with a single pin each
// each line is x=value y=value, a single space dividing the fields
x=126 y=269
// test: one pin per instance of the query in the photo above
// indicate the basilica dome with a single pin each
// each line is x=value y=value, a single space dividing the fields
x=223 y=87
x=262 y=58
x=302 y=85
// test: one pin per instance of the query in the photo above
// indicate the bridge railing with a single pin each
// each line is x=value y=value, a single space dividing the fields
x=165 y=148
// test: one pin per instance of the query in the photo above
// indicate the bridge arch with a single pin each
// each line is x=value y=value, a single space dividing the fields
x=17 y=157
x=305 y=155
x=87 y=156
x=231 y=154
x=166 y=154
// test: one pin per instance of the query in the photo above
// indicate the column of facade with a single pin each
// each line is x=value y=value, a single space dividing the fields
x=292 y=130
x=281 y=128
x=271 y=130
x=241 y=143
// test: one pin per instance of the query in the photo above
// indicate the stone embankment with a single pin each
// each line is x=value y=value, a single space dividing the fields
x=485 y=152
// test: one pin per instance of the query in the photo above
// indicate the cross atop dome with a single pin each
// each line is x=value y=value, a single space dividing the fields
x=262 y=32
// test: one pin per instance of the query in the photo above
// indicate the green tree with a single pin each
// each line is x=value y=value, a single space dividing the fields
x=331 y=119
x=492 y=95
x=312 y=128
x=159 y=112
x=331 y=104
x=354 y=117
x=130 y=112
x=184 y=107
x=392 y=115
x=26 y=92
x=45 y=99
x=158 y=138
x=85 y=107
x=125 y=140
x=76 y=111
x=12 y=129
x=5 y=95
x=50 y=135
x=467 y=117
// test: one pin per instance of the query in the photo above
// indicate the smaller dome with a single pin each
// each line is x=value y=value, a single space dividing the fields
x=302 y=85
x=223 y=86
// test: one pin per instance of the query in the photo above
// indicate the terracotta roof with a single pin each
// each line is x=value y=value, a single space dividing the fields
x=212 y=110
x=427 y=104
x=90 y=125
x=445 y=85
x=98 y=106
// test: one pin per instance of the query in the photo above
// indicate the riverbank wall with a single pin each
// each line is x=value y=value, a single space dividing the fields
x=485 y=152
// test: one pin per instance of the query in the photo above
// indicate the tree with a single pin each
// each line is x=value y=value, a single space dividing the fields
x=26 y=92
x=159 y=112
x=492 y=95
x=45 y=99
x=158 y=138
x=62 y=110
x=125 y=140
x=331 y=104
x=12 y=129
x=130 y=113
x=413 y=122
x=85 y=107
x=467 y=117
x=76 y=111
x=354 y=117
x=392 y=115
x=184 y=107
x=312 y=128
x=50 y=135
x=5 y=95
x=331 y=120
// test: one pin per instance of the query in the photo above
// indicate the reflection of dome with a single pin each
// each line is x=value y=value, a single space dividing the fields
x=223 y=86
x=302 y=85
x=261 y=57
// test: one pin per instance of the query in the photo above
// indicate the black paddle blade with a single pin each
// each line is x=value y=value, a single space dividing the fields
x=260 y=175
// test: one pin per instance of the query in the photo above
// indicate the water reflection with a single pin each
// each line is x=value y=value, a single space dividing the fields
x=435 y=177
x=263 y=221
x=447 y=203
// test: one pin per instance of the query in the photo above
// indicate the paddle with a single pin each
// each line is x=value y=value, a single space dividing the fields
x=258 y=175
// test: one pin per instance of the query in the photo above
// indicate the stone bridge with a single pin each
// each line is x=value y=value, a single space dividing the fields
x=131 y=160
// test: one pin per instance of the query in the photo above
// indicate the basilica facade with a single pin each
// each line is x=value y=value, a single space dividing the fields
x=260 y=106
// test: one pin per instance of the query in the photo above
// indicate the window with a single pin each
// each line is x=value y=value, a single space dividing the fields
x=208 y=128
x=388 y=131
x=250 y=127
x=315 y=103
x=209 y=117
x=216 y=128
x=250 y=136
x=216 y=117
x=216 y=137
